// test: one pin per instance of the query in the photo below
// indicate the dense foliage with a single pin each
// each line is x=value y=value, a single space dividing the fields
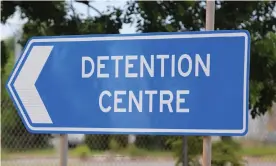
x=43 y=18
x=256 y=17
x=52 y=18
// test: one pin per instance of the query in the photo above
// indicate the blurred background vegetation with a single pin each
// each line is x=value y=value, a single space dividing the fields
x=52 y=18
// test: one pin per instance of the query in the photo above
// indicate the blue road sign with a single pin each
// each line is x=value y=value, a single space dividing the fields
x=183 y=83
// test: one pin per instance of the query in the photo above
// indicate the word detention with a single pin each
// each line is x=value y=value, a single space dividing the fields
x=134 y=66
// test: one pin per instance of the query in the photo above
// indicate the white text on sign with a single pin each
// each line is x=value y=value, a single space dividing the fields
x=193 y=65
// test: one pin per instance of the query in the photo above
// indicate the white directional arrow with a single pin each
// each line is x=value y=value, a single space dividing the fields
x=25 y=84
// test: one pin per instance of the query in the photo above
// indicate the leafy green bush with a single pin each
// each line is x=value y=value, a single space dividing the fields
x=122 y=140
x=103 y=142
x=194 y=148
x=132 y=150
x=150 y=142
x=144 y=141
x=114 y=146
x=222 y=151
x=97 y=142
x=226 y=151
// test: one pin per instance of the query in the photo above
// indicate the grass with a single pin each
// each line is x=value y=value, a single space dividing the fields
x=83 y=150
x=134 y=151
x=44 y=152
x=76 y=152
x=260 y=151
x=265 y=152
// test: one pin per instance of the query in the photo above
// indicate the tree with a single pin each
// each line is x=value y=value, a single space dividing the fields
x=3 y=56
x=51 y=18
x=257 y=17
x=45 y=18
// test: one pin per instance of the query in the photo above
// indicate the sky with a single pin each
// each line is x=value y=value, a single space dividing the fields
x=14 y=24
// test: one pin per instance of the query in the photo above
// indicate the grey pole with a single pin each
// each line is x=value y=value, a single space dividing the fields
x=207 y=140
x=64 y=140
x=63 y=149
x=185 y=150
x=185 y=143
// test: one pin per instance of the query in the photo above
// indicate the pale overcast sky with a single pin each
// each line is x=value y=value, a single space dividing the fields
x=15 y=23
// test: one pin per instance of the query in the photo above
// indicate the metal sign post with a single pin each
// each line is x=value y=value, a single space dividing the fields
x=185 y=151
x=63 y=149
x=207 y=140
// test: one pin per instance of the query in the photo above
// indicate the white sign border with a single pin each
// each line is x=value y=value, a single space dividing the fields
x=138 y=37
